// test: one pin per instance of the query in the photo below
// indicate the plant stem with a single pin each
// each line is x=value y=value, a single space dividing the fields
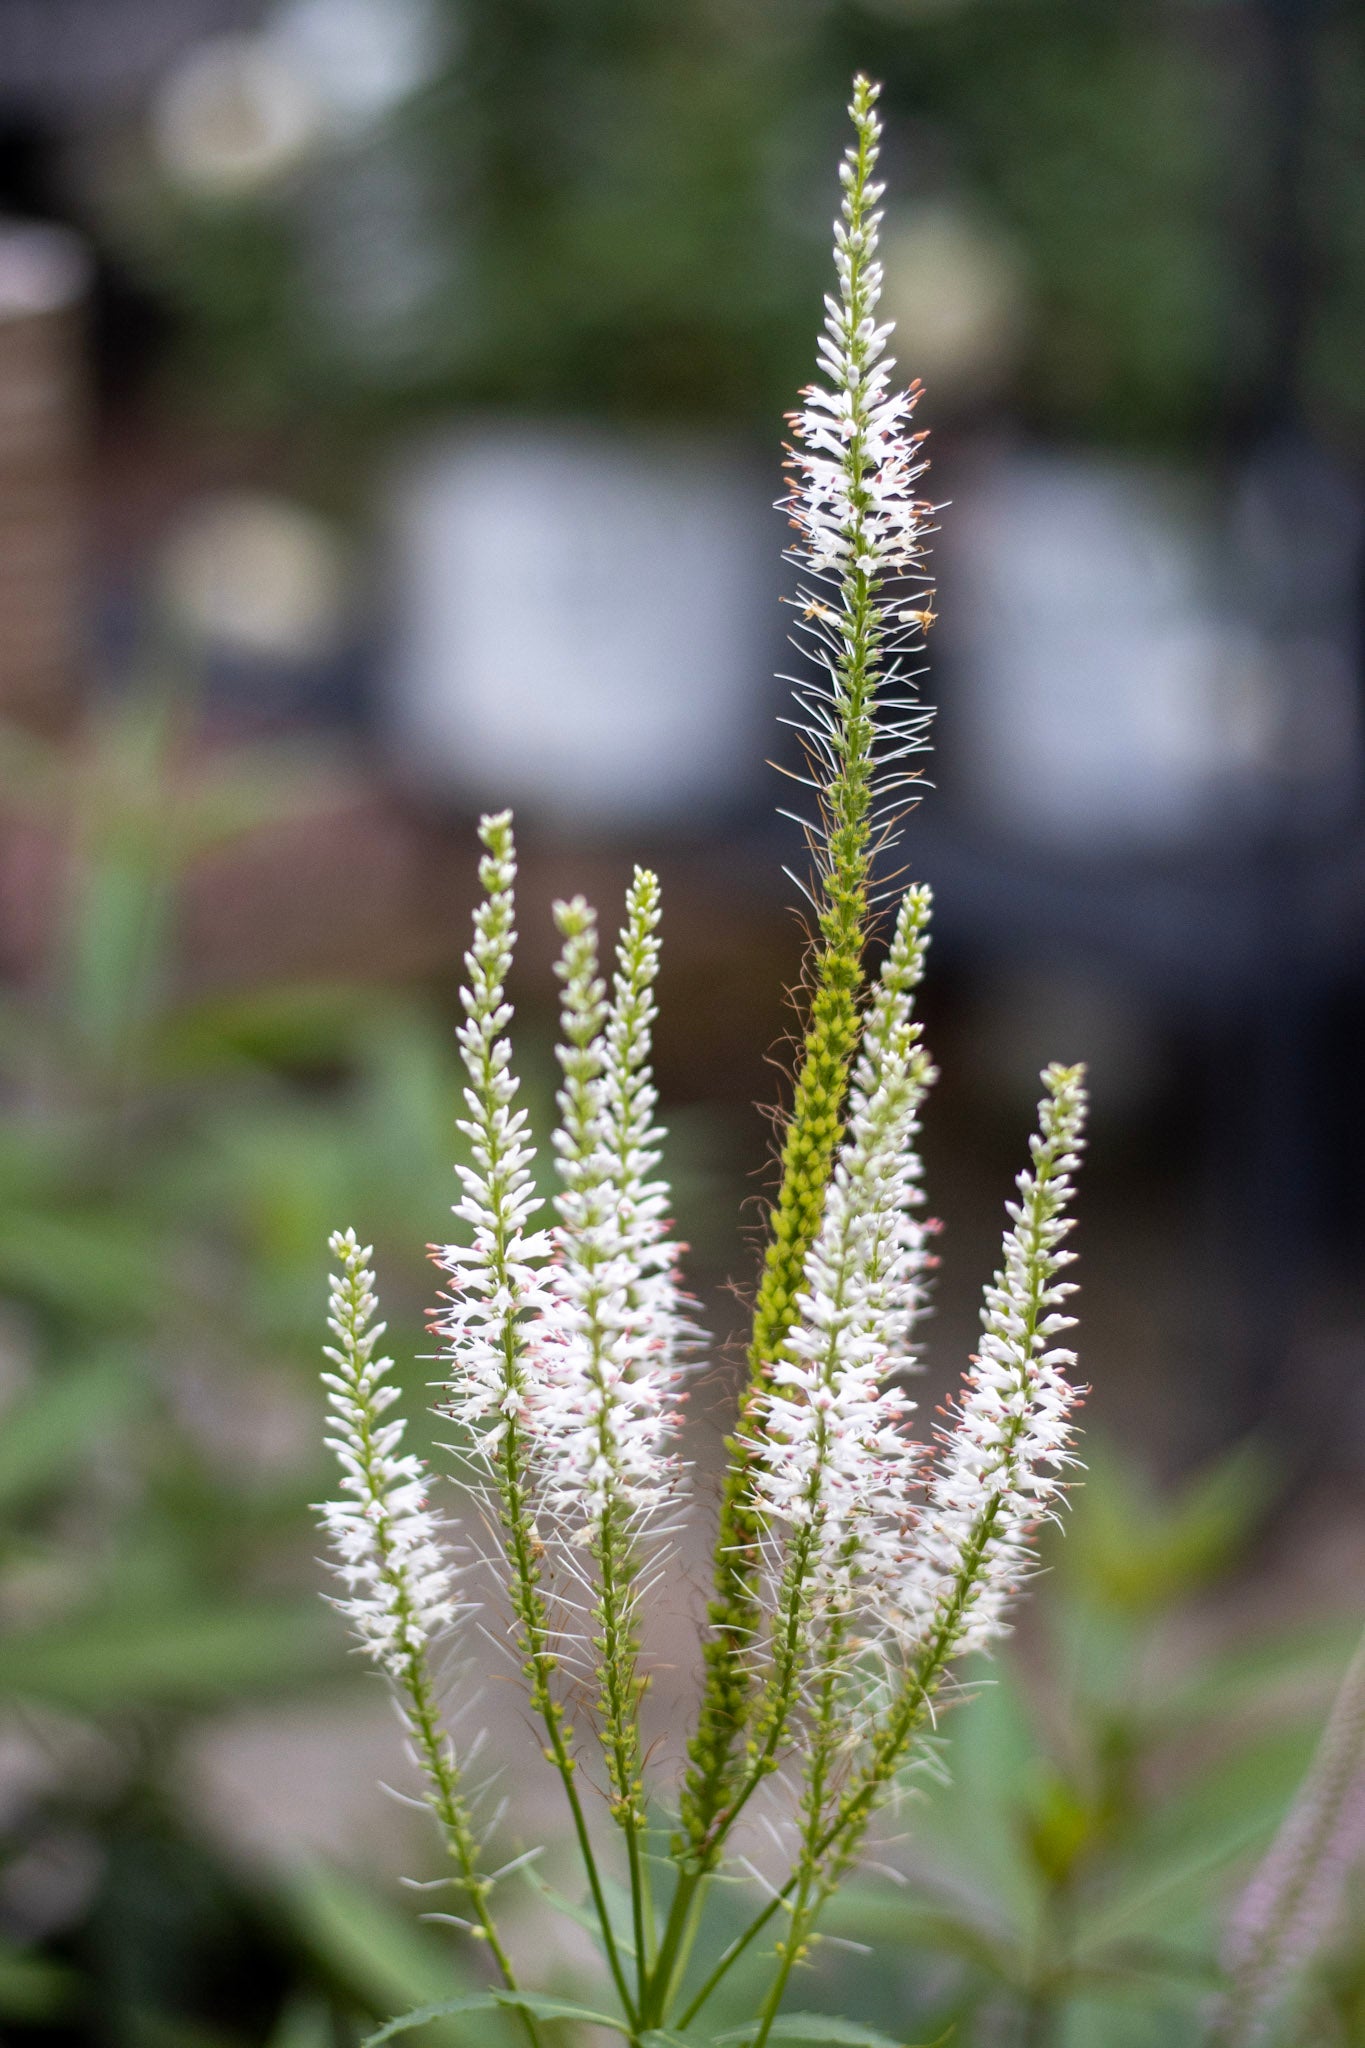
x=844 y=1831
x=528 y=1600
x=621 y=1690
x=789 y=1950
x=453 y=1815
x=733 y=1953
x=824 y=1749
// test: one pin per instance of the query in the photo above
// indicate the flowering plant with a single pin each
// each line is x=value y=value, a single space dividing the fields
x=854 y=1565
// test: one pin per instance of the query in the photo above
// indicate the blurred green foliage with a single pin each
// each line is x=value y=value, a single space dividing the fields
x=1106 y=1790
x=169 y=1167
x=622 y=207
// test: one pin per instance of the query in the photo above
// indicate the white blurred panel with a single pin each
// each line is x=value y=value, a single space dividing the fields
x=584 y=620
x=1101 y=693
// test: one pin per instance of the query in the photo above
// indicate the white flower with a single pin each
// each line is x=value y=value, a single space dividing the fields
x=659 y=1326
x=399 y=1592
x=997 y=1470
x=606 y=1370
x=496 y=1276
x=834 y=1455
x=861 y=528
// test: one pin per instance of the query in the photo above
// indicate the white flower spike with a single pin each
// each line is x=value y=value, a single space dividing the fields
x=605 y=1407
x=385 y=1539
x=834 y=1453
x=496 y=1276
x=998 y=1465
x=861 y=532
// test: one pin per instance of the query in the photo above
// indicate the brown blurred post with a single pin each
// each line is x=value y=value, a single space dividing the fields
x=44 y=284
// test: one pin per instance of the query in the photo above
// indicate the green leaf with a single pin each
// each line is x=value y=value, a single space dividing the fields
x=817 y=2027
x=1138 y=1553
x=45 y=1434
x=926 y=1923
x=148 y=2029
x=1299 y=1666
x=88 y=1263
x=263 y=1027
x=539 y=2007
x=444 y=2008
x=375 y=1950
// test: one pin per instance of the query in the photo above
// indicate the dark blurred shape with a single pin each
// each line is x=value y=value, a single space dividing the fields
x=44 y=281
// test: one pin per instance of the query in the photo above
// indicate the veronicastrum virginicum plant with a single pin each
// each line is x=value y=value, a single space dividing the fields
x=854 y=1565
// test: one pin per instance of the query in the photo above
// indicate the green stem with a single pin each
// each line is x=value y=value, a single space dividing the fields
x=677 y=1940
x=824 y=1748
x=511 y=1459
x=733 y=1953
x=647 y=1900
x=843 y=1833
x=529 y=1604
x=675 y=1949
x=453 y=1815
x=790 y=1949
x=688 y=1940
x=1038 y=2016
x=655 y=2000
x=621 y=1690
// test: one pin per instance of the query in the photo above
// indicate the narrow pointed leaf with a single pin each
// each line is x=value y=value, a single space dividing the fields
x=539 y=2007
x=821 y=2030
x=444 y=2008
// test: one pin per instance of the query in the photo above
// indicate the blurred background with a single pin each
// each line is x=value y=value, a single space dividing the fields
x=391 y=397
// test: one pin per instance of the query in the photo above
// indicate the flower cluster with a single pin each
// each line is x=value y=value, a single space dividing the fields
x=833 y=1454
x=861 y=529
x=604 y=1405
x=656 y=1308
x=497 y=1275
x=997 y=1471
x=857 y=463
x=385 y=1539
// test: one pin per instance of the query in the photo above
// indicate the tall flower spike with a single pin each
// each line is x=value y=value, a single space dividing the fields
x=833 y=1458
x=503 y=1320
x=861 y=528
x=399 y=1594
x=997 y=1467
x=604 y=1412
x=602 y=1405
x=659 y=1328
x=399 y=1590
x=860 y=534
x=496 y=1276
